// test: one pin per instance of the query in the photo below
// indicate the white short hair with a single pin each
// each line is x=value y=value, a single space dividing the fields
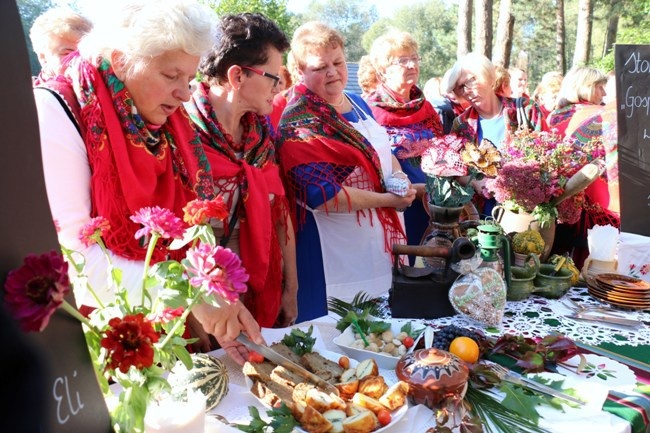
x=143 y=29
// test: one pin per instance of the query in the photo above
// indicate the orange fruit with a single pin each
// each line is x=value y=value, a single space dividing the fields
x=465 y=348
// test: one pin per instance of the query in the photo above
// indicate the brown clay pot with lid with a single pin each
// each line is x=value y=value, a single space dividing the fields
x=433 y=376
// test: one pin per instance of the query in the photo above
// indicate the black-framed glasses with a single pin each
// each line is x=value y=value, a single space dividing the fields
x=275 y=78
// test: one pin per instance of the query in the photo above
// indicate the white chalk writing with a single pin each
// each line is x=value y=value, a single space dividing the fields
x=65 y=406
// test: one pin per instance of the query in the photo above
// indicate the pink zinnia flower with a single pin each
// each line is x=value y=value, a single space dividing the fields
x=34 y=291
x=158 y=220
x=217 y=269
x=92 y=231
x=201 y=211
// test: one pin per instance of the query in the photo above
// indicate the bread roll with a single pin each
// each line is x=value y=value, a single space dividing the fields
x=367 y=367
x=368 y=402
x=373 y=386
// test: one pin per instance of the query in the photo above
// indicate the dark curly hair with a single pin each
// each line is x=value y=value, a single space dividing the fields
x=243 y=40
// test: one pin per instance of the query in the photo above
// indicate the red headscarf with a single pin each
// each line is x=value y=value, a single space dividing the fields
x=256 y=175
x=133 y=166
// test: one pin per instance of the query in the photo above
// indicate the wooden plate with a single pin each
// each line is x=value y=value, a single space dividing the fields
x=622 y=293
x=622 y=281
x=619 y=297
x=634 y=304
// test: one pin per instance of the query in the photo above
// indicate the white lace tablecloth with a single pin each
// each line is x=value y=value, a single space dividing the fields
x=538 y=316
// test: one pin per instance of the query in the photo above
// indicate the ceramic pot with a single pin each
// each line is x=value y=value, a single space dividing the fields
x=520 y=259
x=522 y=279
x=593 y=267
x=433 y=376
x=552 y=286
x=522 y=221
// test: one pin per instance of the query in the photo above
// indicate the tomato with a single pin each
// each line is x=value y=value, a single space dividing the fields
x=408 y=342
x=344 y=362
x=384 y=417
x=255 y=357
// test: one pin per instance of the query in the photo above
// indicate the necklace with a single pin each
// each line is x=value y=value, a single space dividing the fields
x=340 y=103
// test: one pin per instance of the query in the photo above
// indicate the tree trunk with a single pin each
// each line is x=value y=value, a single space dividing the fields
x=484 y=27
x=505 y=28
x=464 y=31
x=612 y=26
x=583 y=34
x=560 y=46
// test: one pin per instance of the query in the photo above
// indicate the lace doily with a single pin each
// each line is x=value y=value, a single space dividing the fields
x=538 y=316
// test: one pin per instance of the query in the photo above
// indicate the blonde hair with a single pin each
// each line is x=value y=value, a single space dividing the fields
x=59 y=21
x=579 y=85
x=551 y=82
x=385 y=46
x=501 y=80
x=367 y=76
x=311 y=36
x=142 y=29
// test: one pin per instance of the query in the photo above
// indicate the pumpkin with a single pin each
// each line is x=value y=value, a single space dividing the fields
x=569 y=265
x=529 y=241
x=208 y=376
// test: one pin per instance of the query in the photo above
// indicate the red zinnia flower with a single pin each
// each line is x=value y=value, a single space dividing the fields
x=93 y=230
x=218 y=269
x=129 y=341
x=35 y=290
x=158 y=220
x=201 y=211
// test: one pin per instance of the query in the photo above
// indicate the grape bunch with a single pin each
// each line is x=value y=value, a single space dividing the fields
x=445 y=335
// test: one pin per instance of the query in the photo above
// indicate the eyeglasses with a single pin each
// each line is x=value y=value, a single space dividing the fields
x=470 y=84
x=406 y=62
x=275 y=78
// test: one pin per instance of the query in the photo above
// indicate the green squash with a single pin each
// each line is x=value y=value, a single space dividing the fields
x=208 y=375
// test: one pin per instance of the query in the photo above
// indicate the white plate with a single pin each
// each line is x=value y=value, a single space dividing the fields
x=388 y=377
x=384 y=360
x=600 y=370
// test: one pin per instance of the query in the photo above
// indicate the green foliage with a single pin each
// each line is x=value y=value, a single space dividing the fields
x=433 y=25
x=352 y=18
x=275 y=10
x=299 y=341
x=282 y=421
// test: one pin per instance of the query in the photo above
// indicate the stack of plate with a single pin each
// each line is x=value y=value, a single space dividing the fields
x=621 y=291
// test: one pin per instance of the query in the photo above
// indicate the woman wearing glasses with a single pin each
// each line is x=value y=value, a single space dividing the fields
x=335 y=159
x=400 y=106
x=489 y=116
x=228 y=108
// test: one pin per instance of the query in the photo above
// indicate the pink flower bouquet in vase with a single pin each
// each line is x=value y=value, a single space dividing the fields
x=135 y=344
x=542 y=179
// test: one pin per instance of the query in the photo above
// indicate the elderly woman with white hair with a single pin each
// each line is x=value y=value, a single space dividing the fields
x=489 y=116
x=115 y=138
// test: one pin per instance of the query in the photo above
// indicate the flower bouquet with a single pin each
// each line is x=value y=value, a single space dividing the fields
x=451 y=163
x=135 y=344
x=534 y=174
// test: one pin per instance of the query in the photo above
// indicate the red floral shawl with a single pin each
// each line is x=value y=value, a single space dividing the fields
x=389 y=110
x=312 y=131
x=132 y=166
x=256 y=175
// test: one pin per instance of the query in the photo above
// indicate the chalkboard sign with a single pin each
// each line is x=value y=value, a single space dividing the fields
x=55 y=364
x=633 y=117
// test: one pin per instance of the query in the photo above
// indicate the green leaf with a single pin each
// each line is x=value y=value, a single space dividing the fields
x=519 y=402
x=299 y=341
x=378 y=326
x=183 y=356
